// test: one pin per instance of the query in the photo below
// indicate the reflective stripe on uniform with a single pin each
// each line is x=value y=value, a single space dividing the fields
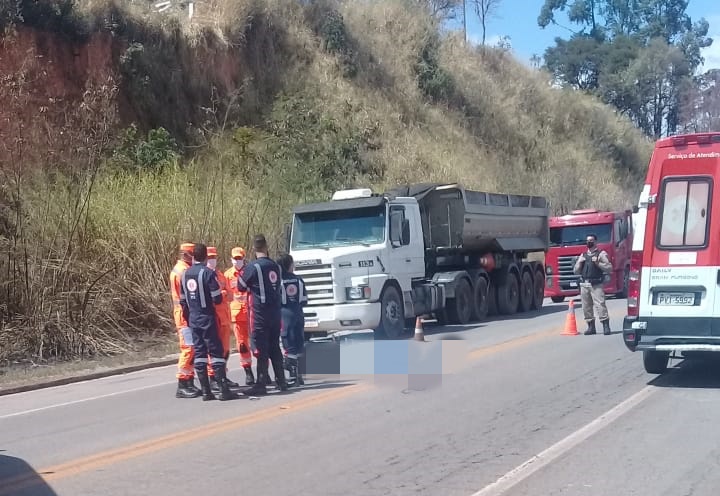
x=283 y=295
x=215 y=360
x=261 y=282
x=201 y=360
x=215 y=293
x=303 y=296
x=201 y=289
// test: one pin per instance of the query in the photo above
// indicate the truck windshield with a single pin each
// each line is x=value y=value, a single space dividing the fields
x=363 y=226
x=576 y=235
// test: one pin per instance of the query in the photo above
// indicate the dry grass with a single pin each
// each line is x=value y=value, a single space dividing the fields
x=277 y=118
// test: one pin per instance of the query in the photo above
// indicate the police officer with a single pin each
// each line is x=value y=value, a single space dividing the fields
x=199 y=293
x=261 y=278
x=593 y=266
x=294 y=297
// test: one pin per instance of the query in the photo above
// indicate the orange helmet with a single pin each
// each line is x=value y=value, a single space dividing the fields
x=238 y=252
x=211 y=252
x=187 y=248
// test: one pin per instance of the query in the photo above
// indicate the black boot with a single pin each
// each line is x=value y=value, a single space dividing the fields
x=230 y=383
x=300 y=370
x=606 y=327
x=249 y=376
x=591 y=328
x=207 y=394
x=279 y=372
x=186 y=389
x=214 y=386
x=268 y=380
x=260 y=387
x=292 y=368
x=225 y=393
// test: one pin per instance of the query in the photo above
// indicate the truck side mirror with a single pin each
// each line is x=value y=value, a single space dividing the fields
x=288 y=230
x=635 y=209
x=396 y=225
x=405 y=232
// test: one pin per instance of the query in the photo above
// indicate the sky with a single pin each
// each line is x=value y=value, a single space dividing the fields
x=517 y=19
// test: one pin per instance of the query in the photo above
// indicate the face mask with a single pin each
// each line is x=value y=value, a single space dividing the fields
x=591 y=244
x=238 y=264
x=212 y=263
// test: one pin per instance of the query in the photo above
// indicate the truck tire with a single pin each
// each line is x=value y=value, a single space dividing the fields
x=527 y=291
x=392 y=318
x=539 y=283
x=655 y=362
x=460 y=308
x=508 y=295
x=557 y=299
x=480 y=300
x=492 y=299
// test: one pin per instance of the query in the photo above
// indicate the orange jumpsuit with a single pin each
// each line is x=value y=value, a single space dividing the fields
x=186 y=369
x=222 y=313
x=239 y=316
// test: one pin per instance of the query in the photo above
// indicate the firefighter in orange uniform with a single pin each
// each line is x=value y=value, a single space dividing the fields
x=222 y=314
x=186 y=371
x=239 y=313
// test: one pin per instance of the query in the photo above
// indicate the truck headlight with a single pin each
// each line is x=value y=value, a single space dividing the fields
x=548 y=270
x=358 y=293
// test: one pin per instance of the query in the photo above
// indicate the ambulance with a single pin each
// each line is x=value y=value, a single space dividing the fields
x=673 y=303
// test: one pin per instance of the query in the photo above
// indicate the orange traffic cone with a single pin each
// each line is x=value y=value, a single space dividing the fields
x=419 y=332
x=570 y=322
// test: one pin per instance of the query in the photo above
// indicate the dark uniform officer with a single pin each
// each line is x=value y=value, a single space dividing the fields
x=261 y=278
x=199 y=293
x=294 y=297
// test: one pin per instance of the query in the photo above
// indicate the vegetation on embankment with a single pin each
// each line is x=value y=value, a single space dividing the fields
x=124 y=133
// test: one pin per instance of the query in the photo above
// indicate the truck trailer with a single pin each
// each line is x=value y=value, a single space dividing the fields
x=378 y=261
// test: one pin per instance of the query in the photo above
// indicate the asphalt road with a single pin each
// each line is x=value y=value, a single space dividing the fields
x=508 y=407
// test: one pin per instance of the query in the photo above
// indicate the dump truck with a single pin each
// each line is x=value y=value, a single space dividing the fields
x=378 y=261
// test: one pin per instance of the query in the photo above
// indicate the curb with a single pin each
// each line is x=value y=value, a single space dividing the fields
x=87 y=377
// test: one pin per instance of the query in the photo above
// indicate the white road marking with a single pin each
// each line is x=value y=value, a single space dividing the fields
x=525 y=470
x=83 y=400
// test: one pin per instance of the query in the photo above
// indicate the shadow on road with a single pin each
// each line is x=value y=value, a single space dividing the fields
x=18 y=478
x=694 y=373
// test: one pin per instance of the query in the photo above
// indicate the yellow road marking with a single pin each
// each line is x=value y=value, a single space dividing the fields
x=13 y=484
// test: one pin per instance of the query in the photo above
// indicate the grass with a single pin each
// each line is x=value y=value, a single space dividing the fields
x=267 y=104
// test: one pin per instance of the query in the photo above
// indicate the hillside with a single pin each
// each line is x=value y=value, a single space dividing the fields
x=125 y=132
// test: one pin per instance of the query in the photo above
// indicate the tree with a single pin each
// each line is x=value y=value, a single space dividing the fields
x=485 y=10
x=614 y=41
x=701 y=104
x=442 y=9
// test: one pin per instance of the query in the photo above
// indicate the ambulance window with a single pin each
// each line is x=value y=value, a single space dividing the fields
x=684 y=213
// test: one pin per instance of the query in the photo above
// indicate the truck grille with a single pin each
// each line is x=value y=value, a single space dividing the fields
x=565 y=272
x=318 y=283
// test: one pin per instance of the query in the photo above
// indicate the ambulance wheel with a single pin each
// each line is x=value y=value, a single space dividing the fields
x=557 y=299
x=655 y=362
x=392 y=316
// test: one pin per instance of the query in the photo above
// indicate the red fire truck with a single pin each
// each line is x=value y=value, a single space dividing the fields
x=614 y=233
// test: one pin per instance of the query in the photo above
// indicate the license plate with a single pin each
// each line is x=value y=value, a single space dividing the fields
x=676 y=299
x=311 y=323
x=573 y=285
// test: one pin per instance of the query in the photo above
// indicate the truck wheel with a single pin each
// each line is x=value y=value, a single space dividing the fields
x=509 y=295
x=655 y=362
x=461 y=306
x=492 y=299
x=539 y=282
x=527 y=292
x=480 y=300
x=392 y=318
x=557 y=299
